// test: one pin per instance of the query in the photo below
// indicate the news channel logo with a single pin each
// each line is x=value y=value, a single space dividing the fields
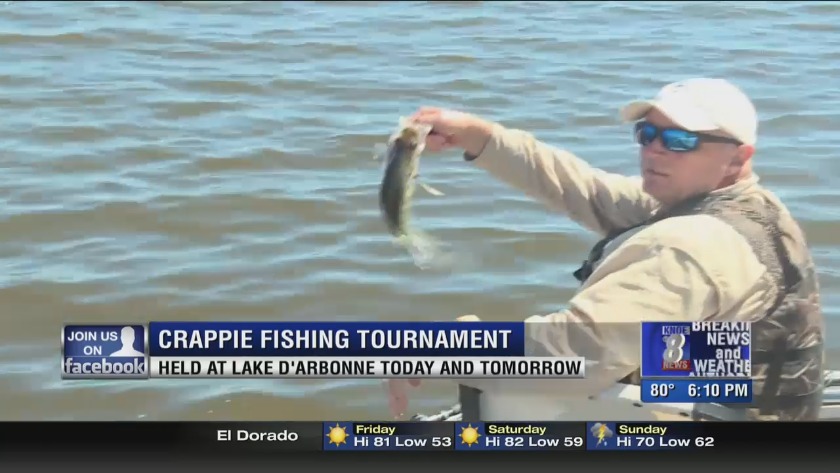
x=666 y=349
x=676 y=356
x=104 y=352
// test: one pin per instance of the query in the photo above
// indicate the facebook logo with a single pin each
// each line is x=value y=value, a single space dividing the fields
x=104 y=352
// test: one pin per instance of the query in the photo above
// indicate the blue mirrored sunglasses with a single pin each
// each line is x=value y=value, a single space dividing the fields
x=676 y=139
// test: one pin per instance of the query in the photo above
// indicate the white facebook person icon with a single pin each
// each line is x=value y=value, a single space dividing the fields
x=127 y=340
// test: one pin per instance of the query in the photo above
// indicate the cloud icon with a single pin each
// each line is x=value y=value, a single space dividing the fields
x=601 y=432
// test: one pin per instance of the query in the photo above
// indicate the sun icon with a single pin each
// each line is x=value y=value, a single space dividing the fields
x=337 y=435
x=469 y=435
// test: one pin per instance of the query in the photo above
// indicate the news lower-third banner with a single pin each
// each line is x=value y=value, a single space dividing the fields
x=673 y=355
x=307 y=350
x=213 y=438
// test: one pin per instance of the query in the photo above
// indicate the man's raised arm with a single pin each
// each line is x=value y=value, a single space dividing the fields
x=596 y=199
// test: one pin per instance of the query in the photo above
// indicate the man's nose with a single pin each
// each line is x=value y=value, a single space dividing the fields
x=656 y=146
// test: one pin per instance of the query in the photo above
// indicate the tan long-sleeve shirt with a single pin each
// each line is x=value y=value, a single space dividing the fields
x=686 y=268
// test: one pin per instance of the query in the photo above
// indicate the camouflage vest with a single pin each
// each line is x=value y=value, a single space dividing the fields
x=787 y=343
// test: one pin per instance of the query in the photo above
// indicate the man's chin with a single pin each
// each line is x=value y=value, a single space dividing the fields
x=653 y=189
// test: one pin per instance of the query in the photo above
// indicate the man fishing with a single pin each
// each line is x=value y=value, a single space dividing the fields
x=695 y=238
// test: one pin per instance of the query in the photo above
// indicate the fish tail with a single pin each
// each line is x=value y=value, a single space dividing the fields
x=424 y=250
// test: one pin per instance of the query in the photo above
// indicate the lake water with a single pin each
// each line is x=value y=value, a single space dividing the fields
x=212 y=161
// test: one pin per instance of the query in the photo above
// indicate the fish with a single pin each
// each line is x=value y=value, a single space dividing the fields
x=399 y=180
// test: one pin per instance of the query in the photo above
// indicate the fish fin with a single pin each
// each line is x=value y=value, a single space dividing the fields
x=431 y=190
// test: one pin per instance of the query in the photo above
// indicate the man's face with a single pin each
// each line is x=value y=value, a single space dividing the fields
x=671 y=176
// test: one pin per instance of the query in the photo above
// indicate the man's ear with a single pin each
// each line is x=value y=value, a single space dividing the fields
x=741 y=158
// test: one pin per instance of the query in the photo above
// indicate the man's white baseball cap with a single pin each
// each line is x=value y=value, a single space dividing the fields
x=702 y=104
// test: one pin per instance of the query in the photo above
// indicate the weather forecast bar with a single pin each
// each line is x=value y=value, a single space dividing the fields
x=210 y=439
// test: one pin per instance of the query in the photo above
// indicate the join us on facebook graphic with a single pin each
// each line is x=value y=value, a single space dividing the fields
x=110 y=351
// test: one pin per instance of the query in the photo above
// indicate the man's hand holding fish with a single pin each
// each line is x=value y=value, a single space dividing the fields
x=453 y=129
